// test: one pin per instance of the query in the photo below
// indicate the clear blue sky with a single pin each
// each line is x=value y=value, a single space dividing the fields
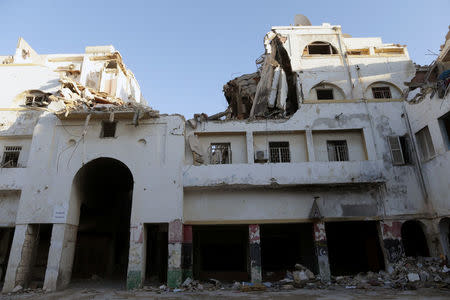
x=183 y=52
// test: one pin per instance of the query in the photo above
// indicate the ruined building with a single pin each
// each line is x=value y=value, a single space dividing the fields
x=333 y=154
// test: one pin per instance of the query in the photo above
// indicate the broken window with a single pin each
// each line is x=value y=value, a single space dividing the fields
x=220 y=153
x=324 y=94
x=36 y=100
x=337 y=150
x=425 y=143
x=108 y=129
x=399 y=146
x=444 y=123
x=279 y=152
x=321 y=48
x=383 y=92
x=11 y=156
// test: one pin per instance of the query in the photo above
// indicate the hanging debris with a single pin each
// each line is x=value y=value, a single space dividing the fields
x=270 y=92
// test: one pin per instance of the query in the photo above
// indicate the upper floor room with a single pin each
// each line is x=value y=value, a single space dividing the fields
x=31 y=77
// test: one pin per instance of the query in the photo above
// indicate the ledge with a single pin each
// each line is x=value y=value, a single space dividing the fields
x=283 y=175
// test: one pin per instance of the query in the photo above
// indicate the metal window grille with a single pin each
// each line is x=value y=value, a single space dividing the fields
x=11 y=156
x=381 y=92
x=220 y=153
x=279 y=152
x=108 y=129
x=337 y=150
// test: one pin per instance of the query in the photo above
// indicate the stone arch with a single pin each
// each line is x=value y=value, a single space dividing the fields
x=395 y=91
x=102 y=195
x=413 y=239
x=338 y=93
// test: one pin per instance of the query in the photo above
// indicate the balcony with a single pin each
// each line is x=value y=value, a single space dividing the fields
x=283 y=174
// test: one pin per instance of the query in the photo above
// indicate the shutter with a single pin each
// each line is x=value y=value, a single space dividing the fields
x=396 y=150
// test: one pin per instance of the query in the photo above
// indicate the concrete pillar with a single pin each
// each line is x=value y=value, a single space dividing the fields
x=20 y=258
x=310 y=144
x=250 y=148
x=320 y=243
x=174 y=272
x=432 y=234
x=60 y=256
x=390 y=233
x=186 y=251
x=255 y=253
x=136 y=257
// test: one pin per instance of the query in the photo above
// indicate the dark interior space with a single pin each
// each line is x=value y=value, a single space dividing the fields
x=413 y=239
x=6 y=237
x=354 y=247
x=40 y=254
x=157 y=253
x=221 y=252
x=104 y=187
x=284 y=245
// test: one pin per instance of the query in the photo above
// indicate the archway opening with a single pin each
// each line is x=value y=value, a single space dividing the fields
x=444 y=228
x=413 y=239
x=104 y=189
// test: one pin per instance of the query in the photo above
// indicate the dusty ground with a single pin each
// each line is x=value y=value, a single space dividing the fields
x=338 y=293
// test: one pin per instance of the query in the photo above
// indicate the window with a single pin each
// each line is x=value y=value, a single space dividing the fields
x=382 y=92
x=425 y=143
x=108 y=129
x=444 y=123
x=324 y=94
x=11 y=156
x=220 y=153
x=399 y=146
x=279 y=152
x=321 y=48
x=36 y=100
x=337 y=150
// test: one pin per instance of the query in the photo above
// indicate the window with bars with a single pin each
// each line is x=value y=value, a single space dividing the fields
x=11 y=156
x=279 y=152
x=108 y=129
x=381 y=92
x=425 y=143
x=220 y=153
x=337 y=150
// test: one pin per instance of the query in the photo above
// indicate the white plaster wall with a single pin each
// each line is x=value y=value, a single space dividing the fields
x=436 y=171
x=297 y=143
x=237 y=142
x=243 y=206
x=155 y=166
x=355 y=144
x=9 y=202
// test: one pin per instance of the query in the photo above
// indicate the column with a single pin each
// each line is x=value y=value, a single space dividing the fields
x=320 y=243
x=136 y=257
x=432 y=235
x=19 y=264
x=186 y=252
x=60 y=256
x=174 y=272
x=310 y=144
x=255 y=253
x=250 y=148
x=391 y=239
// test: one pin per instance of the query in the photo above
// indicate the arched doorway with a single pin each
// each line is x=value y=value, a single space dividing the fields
x=103 y=189
x=413 y=239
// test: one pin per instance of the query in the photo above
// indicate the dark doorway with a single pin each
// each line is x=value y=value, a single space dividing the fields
x=104 y=189
x=354 y=247
x=444 y=228
x=284 y=245
x=413 y=239
x=221 y=252
x=40 y=254
x=6 y=238
x=157 y=253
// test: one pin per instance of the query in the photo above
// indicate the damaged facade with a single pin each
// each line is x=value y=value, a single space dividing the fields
x=318 y=161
